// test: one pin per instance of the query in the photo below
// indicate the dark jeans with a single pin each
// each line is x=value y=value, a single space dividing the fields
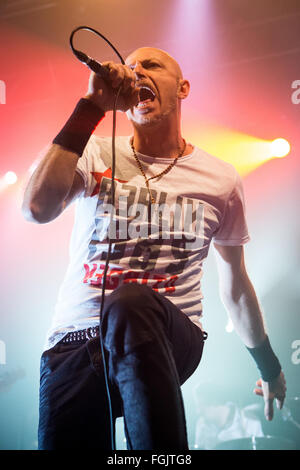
x=151 y=349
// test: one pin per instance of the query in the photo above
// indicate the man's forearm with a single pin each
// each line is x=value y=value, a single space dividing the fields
x=246 y=315
x=49 y=185
x=244 y=310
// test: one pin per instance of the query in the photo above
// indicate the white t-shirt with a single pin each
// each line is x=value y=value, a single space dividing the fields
x=200 y=199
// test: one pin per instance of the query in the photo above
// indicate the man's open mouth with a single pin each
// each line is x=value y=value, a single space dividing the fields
x=146 y=95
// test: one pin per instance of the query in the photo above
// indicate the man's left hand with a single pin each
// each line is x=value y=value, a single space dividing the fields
x=275 y=389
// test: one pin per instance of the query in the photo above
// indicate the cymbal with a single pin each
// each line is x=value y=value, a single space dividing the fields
x=257 y=443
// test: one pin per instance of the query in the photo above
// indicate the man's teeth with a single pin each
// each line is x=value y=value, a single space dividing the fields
x=142 y=104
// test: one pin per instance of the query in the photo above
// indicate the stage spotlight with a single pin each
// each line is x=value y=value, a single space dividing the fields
x=280 y=148
x=10 y=177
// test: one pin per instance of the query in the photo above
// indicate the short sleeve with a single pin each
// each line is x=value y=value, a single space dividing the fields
x=86 y=165
x=233 y=229
x=82 y=168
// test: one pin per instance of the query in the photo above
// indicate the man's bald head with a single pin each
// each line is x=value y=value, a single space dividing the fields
x=143 y=53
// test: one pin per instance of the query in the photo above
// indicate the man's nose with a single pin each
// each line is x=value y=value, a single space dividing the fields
x=138 y=69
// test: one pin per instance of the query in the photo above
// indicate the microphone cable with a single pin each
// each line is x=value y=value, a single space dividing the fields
x=102 y=72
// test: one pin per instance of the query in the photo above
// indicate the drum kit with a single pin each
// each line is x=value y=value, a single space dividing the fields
x=290 y=440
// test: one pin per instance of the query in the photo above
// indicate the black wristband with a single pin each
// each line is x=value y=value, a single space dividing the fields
x=266 y=361
x=81 y=124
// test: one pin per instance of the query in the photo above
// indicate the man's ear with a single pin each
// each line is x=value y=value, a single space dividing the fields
x=183 y=89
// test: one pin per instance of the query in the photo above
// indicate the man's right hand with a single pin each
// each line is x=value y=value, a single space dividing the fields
x=103 y=92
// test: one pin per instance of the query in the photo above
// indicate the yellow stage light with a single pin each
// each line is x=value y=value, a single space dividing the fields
x=280 y=148
x=244 y=152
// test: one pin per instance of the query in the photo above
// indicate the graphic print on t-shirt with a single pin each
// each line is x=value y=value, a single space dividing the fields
x=140 y=232
x=98 y=177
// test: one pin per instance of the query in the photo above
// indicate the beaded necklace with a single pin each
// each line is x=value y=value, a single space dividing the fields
x=164 y=172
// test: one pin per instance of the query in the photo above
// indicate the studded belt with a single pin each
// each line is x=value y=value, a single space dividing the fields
x=81 y=336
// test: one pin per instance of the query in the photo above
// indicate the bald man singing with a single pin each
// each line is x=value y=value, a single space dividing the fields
x=171 y=199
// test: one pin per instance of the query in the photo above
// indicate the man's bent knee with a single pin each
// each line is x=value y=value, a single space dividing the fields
x=130 y=318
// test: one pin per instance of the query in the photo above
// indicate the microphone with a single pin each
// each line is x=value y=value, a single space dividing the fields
x=92 y=64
